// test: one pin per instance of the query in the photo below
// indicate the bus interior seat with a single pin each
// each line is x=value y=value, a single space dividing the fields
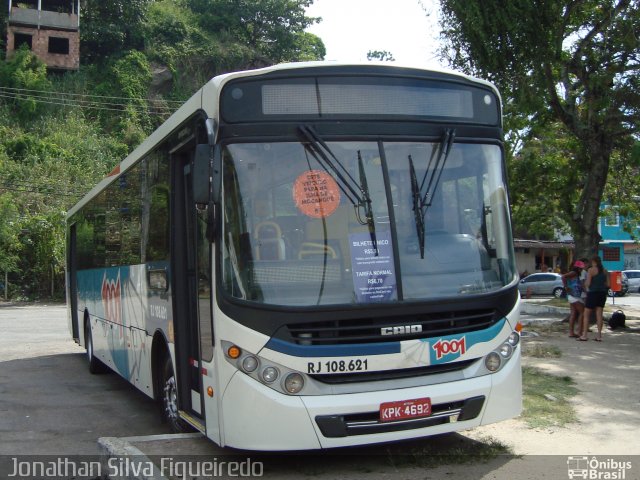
x=333 y=229
x=268 y=241
x=315 y=250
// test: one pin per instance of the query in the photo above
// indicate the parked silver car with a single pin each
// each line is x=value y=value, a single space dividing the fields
x=634 y=279
x=542 y=284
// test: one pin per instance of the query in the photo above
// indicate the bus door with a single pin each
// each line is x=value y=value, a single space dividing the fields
x=192 y=294
x=72 y=273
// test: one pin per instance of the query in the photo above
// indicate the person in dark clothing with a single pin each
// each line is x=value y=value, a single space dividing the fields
x=597 y=285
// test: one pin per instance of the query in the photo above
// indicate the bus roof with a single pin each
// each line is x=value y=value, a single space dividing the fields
x=212 y=87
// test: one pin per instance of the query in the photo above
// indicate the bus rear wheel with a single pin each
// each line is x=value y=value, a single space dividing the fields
x=170 y=412
x=95 y=365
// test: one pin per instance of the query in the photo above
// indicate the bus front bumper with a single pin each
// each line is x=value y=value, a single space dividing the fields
x=259 y=418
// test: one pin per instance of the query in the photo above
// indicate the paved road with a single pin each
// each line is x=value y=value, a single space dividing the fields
x=49 y=402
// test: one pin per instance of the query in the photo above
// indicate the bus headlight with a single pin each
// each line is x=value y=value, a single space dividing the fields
x=493 y=362
x=293 y=383
x=496 y=359
x=506 y=350
x=270 y=374
x=250 y=363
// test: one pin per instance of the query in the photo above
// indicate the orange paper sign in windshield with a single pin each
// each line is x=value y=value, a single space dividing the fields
x=316 y=194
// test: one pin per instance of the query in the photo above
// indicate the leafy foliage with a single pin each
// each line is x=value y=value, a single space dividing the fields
x=9 y=243
x=381 y=55
x=111 y=26
x=24 y=73
x=62 y=133
x=543 y=173
x=270 y=27
x=43 y=171
x=569 y=62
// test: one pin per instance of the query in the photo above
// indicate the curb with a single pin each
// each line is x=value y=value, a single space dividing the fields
x=534 y=309
x=130 y=462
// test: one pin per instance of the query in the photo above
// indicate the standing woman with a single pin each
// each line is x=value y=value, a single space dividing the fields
x=573 y=286
x=597 y=285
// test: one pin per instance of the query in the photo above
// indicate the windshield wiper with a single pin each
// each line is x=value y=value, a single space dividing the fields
x=329 y=162
x=356 y=192
x=366 y=198
x=422 y=198
x=418 y=210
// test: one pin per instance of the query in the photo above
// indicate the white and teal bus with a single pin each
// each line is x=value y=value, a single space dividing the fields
x=309 y=256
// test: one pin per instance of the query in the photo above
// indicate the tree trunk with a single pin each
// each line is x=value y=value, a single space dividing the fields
x=587 y=214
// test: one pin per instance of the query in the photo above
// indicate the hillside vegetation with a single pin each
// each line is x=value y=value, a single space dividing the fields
x=60 y=133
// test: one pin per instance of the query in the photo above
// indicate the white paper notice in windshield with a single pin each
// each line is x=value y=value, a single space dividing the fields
x=374 y=276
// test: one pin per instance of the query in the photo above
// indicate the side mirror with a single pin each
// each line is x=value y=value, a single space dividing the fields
x=216 y=184
x=216 y=174
x=202 y=174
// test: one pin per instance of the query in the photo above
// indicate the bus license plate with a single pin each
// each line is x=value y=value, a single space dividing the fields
x=419 y=407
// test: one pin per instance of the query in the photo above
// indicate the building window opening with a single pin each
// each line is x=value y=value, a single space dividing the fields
x=21 y=39
x=611 y=254
x=59 y=45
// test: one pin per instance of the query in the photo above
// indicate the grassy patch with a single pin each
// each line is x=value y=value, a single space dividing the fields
x=429 y=452
x=540 y=409
x=448 y=449
x=547 y=327
x=540 y=350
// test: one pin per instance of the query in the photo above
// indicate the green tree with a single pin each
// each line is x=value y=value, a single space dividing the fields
x=308 y=47
x=542 y=181
x=574 y=62
x=3 y=28
x=270 y=27
x=109 y=27
x=9 y=242
x=46 y=166
x=381 y=55
x=26 y=76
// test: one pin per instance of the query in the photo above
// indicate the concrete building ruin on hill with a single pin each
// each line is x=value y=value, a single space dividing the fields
x=50 y=28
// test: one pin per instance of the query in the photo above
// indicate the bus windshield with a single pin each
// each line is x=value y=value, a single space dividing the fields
x=358 y=222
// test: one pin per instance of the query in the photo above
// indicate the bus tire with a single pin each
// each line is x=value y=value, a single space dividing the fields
x=169 y=396
x=95 y=365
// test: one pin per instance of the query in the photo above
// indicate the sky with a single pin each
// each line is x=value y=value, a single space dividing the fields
x=350 y=28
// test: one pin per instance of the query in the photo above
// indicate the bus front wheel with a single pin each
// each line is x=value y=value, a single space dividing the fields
x=170 y=399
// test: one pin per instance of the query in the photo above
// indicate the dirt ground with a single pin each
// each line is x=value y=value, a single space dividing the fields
x=607 y=374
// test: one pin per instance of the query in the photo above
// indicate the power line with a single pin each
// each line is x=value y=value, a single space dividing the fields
x=77 y=105
x=64 y=102
x=6 y=181
x=25 y=190
x=30 y=187
x=177 y=102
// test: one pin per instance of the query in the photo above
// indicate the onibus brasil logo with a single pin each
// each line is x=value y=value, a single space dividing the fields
x=597 y=469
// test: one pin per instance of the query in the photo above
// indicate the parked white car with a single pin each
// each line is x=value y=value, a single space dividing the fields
x=634 y=280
